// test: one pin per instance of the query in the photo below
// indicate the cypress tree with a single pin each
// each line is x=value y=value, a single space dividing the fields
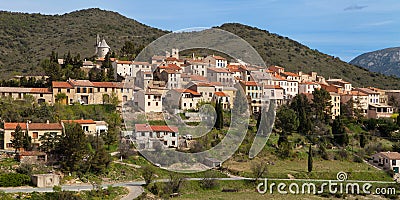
x=310 y=160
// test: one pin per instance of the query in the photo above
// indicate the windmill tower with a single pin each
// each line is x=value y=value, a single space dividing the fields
x=102 y=47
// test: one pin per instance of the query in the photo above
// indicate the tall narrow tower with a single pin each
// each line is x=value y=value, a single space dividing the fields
x=102 y=48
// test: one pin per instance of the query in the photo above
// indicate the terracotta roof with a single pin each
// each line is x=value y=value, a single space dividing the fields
x=277 y=67
x=108 y=84
x=171 y=59
x=203 y=84
x=219 y=58
x=290 y=74
x=218 y=70
x=357 y=93
x=154 y=128
x=124 y=62
x=170 y=66
x=278 y=77
x=366 y=90
x=171 y=71
x=216 y=83
x=83 y=83
x=221 y=94
x=272 y=87
x=40 y=90
x=57 y=84
x=390 y=155
x=198 y=78
x=33 y=126
x=80 y=121
x=188 y=91
x=15 y=89
x=249 y=83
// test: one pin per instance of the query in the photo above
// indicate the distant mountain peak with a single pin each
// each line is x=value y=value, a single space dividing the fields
x=386 y=61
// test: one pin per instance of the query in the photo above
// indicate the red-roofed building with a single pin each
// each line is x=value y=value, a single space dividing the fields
x=254 y=94
x=129 y=68
x=205 y=89
x=149 y=101
x=147 y=136
x=308 y=87
x=221 y=75
x=276 y=69
x=183 y=99
x=34 y=130
x=86 y=92
x=88 y=125
x=216 y=61
x=40 y=95
x=387 y=160
x=224 y=98
x=274 y=92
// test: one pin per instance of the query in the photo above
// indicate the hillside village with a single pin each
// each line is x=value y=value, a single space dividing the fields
x=189 y=82
x=195 y=80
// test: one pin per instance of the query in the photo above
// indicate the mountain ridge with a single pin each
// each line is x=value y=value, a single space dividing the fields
x=28 y=38
x=386 y=61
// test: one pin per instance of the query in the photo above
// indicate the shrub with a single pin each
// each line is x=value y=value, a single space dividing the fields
x=25 y=169
x=14 y=180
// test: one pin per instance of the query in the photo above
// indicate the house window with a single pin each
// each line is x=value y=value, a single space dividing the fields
x=156 y=103
x=68 y=90
x=98 y=89
x=173 y=143
x=165 y=143
x=35 y=135
x=90 y=90
x=394 y=162
x=105 y=89
x=59 y=90
x=9 y=145
x=84 y=90
x=142 y=134
x=85 y=128
x=148 y=103
x=78 y=90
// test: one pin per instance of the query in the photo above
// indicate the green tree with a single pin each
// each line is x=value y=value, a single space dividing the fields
x=339 y=132
x=60 y=97
x=363 y=140
x=148 y=174
x=18 y=139
x=73 y=148
x=51 y=69
x=310 y=160
x=302 y=106
x=27 y=142
x=219 y=122
x=321 y=104
x=49 y=141
x=100 y=158
x=286 y=123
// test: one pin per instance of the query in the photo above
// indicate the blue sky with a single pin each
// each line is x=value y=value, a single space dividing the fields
x=343 y=28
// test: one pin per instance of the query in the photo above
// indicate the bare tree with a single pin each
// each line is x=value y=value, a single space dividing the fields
x=259 y=169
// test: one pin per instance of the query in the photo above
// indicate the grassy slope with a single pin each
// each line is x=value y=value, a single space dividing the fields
x=27 y=38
